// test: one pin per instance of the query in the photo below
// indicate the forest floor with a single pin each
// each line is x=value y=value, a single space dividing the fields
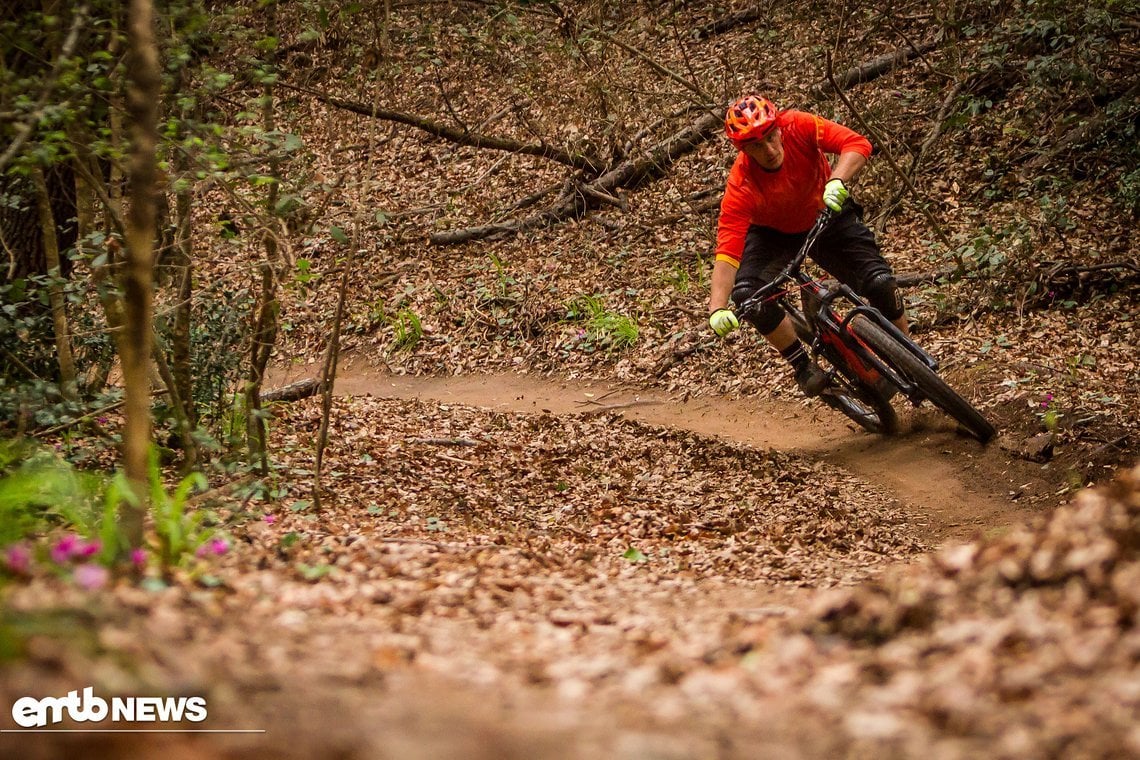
x=539 y=538
x=510 y=566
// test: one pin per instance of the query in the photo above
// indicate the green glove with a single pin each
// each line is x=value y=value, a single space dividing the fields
x=723 y=321
x=835 y=193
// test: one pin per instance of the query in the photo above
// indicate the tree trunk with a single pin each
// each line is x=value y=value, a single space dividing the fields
x=144 y=82
x=66 y=360
x=183 y=314
x=21 y=234
x=265 y=327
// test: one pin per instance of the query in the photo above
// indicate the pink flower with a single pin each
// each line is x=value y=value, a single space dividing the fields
x=138 y=557
x=215 y=546
x=270 y=519
x=18 y=558
x=86 y=549
x=64 y=549
x=91 y=576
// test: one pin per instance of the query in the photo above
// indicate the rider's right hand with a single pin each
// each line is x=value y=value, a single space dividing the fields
x=723 y=321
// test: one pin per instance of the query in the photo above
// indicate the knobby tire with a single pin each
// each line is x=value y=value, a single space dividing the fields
x=867 y=408
x=932 y=386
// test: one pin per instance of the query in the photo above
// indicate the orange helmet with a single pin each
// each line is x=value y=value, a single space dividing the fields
x=750 y=118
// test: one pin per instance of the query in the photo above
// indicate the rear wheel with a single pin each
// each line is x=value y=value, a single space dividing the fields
x=932 y=386
x=865 y=406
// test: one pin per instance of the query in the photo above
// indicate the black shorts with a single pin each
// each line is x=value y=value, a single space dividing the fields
x=847 y=250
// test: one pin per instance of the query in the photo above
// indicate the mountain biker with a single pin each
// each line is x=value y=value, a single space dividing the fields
x=779 y=182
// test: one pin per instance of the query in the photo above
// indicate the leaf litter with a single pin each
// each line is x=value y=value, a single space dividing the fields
x=567 y=585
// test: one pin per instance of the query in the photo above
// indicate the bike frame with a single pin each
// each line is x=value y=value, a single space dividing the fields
x=831 y=334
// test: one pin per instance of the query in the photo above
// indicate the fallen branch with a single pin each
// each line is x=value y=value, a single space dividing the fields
x=450 y=458
x=1074 y=269
x=294 y=391
x=1064 y=280
x=444 y=441
x=1077 y=136
x=730 y=22
x=657 y=66
x=933 y=135
x=875 y=68
x=457 y=135
x=602 y=409
x=912 y=279
x=678 y=355
x=580 y=198
x=225 y=489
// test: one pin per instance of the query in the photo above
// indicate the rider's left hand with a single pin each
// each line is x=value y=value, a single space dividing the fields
x=835 y=194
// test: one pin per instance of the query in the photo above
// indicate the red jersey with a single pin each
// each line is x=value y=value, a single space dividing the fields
x=789 y=198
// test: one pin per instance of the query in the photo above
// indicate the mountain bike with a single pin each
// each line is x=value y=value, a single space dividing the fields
x=867 y=359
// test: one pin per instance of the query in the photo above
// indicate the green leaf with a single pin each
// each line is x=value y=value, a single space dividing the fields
x=633 y=554
x=338 y=235
x=313 y=572
x=292 y=142
x=301 y=505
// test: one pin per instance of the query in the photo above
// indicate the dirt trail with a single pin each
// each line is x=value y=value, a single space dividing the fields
x=955 y=487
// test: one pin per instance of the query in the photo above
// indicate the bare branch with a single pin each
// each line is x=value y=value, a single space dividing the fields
x=876 y=67
x=731 y=21
x=460 y=136
x=576 y=200
x=687 y=84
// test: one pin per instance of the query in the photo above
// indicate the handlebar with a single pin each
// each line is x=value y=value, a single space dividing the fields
x=753 y=302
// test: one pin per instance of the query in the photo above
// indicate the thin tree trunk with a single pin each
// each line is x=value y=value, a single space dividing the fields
x=183 y=314
x=114 y=226
x=55 y=291
x=265 y=327
x=263 y=338
x=178 y=405
x=144 y=82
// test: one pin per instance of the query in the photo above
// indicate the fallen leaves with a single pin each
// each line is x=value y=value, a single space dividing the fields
x=1028 y=640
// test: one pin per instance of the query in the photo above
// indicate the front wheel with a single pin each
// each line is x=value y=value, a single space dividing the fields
x=932 y=386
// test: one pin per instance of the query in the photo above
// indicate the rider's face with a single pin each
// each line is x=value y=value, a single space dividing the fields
x=769 y=152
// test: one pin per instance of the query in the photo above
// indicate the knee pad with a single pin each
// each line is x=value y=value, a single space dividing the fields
x=883 y=293
x=770 y=314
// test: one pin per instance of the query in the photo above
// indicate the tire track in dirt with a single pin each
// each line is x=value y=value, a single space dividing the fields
x=955 y=487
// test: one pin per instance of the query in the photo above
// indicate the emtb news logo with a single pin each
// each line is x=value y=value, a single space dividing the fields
x=30 y=712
